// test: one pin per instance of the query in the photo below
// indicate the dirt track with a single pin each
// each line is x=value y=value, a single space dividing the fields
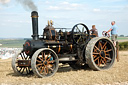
x=66 y=75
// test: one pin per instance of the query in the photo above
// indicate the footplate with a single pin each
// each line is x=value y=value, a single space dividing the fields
x=24 y=63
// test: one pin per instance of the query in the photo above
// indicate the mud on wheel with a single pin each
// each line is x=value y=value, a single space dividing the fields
x=100 y=53
x=44 y=62
x=19 y=69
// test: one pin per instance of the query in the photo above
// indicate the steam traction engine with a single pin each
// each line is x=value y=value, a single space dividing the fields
x=42 y=55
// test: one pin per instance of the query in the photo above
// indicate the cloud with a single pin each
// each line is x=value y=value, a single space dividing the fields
x=4 y=1
x=110 y=1
x=53 y=8
x=96 y=10
x=47 y=2
x=66 y=6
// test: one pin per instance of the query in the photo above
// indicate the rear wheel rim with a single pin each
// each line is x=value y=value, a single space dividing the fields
x=103 y=54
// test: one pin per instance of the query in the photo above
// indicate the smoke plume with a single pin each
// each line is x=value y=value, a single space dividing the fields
x=28 y=4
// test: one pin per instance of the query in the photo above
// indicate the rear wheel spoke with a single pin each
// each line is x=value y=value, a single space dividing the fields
x=97 y=48
x=108 y=58
x=100 y=45
x=42 y=55
x=108 y=50
x=96 y=58
x=95 y=53
x=105 y=44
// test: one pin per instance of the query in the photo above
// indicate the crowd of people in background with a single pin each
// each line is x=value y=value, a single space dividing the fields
x=6 y=53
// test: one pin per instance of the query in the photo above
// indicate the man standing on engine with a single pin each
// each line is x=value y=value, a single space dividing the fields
x=113 y=30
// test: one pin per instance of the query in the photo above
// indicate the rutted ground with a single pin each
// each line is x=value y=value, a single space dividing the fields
x=118 y=74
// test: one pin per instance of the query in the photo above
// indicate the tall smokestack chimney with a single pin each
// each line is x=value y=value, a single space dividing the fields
x=34 y=16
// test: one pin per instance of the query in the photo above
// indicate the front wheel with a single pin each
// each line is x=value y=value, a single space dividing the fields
x=44 y=62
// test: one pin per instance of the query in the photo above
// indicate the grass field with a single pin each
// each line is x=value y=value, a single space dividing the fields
x=18 y=43
x=15 y=43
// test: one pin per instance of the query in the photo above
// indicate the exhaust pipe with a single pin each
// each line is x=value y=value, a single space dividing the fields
x=34 y=16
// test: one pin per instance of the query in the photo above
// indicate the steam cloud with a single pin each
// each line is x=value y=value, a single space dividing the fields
x=27 y=4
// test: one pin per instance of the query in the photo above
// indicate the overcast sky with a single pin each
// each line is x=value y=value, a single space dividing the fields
x=15 y=20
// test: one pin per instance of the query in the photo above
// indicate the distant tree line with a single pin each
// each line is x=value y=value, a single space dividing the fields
x=123 y=36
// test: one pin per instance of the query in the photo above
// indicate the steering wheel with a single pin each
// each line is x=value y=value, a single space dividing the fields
x=105 y=34
x=80 y=33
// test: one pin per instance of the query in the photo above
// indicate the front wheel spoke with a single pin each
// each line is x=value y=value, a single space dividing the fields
x=49 y=65
x=47 y=70
x=38 y=61
x=49 y=58
x=39 y=68
x=50 y=68
x=51 y=61
x=40 y=58
x=39 y=64
x=42 y=68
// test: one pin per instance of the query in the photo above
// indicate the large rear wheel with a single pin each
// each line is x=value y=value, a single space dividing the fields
x=100 y=53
